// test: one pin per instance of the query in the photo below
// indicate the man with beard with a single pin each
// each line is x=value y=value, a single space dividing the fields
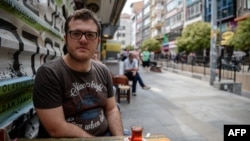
x=73 y=95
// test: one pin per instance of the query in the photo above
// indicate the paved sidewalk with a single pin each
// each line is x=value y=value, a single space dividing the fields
x=183 y=108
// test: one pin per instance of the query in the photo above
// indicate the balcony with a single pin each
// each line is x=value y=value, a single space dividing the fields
x=158 y=37
x=158 y=25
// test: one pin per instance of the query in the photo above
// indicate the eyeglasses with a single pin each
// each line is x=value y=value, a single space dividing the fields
x=77 y=35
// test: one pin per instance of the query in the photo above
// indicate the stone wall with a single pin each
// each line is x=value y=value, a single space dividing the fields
x=31 y=33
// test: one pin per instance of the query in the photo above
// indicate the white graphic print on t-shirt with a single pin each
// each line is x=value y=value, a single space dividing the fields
x=77 y=87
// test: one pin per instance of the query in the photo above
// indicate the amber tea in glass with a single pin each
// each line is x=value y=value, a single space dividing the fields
x=136 y=133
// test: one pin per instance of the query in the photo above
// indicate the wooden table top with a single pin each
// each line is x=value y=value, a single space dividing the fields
x=111 y=138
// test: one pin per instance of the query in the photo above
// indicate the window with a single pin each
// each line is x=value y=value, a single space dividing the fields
x=167 y=22
x=147 y=10
x=224 y=2
x=193 y=11
x=146 y=2
x=146 y=22
x=174 y=20
x=173 y=4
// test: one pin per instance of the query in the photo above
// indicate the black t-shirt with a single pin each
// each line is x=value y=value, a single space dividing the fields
x=82 y=95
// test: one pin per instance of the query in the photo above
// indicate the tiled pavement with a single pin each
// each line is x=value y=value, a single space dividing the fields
x=183 y=108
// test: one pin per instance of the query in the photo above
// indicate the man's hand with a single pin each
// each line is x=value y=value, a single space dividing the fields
x=57 y=127
x=134 y=73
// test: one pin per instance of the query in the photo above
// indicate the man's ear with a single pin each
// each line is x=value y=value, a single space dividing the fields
x=99 y=39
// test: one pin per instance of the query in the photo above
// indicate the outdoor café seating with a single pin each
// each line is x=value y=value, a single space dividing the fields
x=121 y=83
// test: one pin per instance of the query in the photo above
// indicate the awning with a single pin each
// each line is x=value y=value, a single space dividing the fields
x=165 y=48
x=165 y=44
x=242 y=17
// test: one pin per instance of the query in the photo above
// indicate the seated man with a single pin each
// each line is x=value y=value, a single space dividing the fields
x=131 y=71
x=77 y=100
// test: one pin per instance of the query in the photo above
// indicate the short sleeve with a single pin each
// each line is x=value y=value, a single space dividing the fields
x=47 y=92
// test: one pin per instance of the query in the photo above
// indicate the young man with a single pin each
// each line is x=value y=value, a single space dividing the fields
x=131 y=71
x=73 y=95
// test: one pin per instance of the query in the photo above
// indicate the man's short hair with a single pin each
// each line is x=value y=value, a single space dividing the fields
x=83 y=14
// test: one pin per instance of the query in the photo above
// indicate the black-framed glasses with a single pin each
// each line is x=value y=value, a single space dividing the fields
x=77 y=35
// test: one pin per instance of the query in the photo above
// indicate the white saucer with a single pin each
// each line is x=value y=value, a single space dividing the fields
x=127 y=139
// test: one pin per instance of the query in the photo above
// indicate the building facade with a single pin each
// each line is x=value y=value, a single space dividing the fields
x=136 y=24
x=124 y=32
x=165 y=19
x=146 y=21
x=174 y=22
x=157 y=13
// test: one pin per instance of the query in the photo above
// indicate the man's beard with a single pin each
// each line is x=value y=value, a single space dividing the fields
x=75 y=57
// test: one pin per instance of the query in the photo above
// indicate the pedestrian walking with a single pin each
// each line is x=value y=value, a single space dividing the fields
x=146 y=59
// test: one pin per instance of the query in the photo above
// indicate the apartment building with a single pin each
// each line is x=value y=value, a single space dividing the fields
x=124 y=32
x=193 y=12
x=136 y=18
x=165 y=19
x=243 y=10
x=174 y=22
x=157 y=19
x=226 y=13
x=146 y=26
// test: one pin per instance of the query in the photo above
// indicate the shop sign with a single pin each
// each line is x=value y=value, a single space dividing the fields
x=225 y=37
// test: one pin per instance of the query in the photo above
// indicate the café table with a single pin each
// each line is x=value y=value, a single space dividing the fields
x=112 y=138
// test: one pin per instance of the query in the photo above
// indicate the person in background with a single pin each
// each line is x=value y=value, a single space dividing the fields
x=125 y=54
x=131 y=71
x=73 y=95
x=146 y=60
x=95 y=56
x=137 y=55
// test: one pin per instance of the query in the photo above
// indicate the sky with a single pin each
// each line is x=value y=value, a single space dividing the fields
x=126 y=8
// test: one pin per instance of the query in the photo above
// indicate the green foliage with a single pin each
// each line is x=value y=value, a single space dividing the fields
x=129 y=47
x=195 y=37
x=59 y=2
x=241 y=38
x=152 y=45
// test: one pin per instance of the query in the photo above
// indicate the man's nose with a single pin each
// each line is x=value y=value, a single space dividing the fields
x=83 y=37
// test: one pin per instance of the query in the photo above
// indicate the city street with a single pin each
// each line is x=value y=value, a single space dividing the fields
x=183 y=108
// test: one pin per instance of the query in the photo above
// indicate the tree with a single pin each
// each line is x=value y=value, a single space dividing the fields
x=241 y=37
x=195 y=37
x=129 y=47
x=152 y=45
